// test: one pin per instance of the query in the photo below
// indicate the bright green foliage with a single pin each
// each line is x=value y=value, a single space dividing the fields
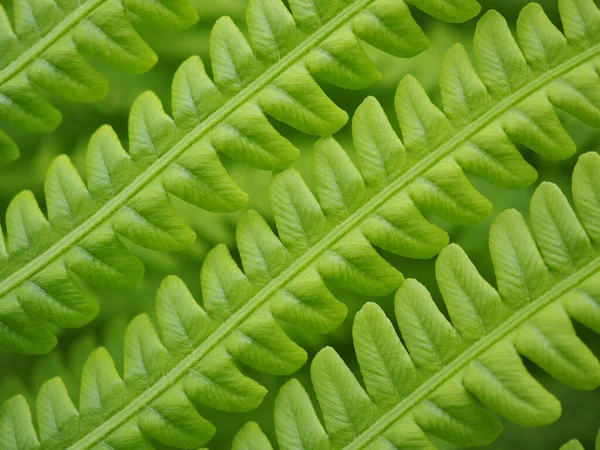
x=573 y=444
x=67 y=363
x=328 y=237
x=429 y=381
x=190 y=356
x=250 y=437
x=46 y=51
x=127 y=194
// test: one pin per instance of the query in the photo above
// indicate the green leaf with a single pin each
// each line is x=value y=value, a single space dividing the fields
x=522 y=274
x=513 y=393
x=546 y=45
x=251 y=437
x=261 y=344
x=440 y=378
x=354 y=264
x=346 y=407
x=502 y=65
x=342 y=61
x=296 y=421
x=400 y=227
x=17 y=427
x=449 y=10
x=24 y=107
x=174 y=421
x=430 y=338
x=339 y=184
x=461 y=104
x=307 y=302
x=273 y=31
x=380 y=153
x=297 y=100
x=424 y=126
x=263 y=255
x=586 y=194
x=387 y=23
x=562 y=240
x=151 y=221
x=446 y=191
x=573 y=444
x=113 y=408
x=300 y=220
x=49 y=47
x=250 y=138
x=221 y=385
x=184 y=323
x=452 y=414
x=170 y=15
x=56 y=414
x=387 y=369
x=128 y=192
x=65 y=73
x=581 y=22
x=473 y=304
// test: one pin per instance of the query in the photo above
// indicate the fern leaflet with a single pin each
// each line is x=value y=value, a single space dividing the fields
x=127 y=193
x=45 y=50
x=285 y=279
x=574 y=444
x=429 y=383
x=543 y=279
x=67 y=361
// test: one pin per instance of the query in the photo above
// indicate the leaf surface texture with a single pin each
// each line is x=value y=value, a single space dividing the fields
x=127 y=194
x=46 y=51
x=441 y=377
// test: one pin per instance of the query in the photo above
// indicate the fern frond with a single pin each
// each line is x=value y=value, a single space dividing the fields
x=127 y=194
x=117 y=309
x=544 y=277
x=184 y=360
x=429 y=381
x=47 y=50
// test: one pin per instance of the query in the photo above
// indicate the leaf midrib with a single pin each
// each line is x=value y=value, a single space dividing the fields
x=337 y=233
x=36 y=50
x=153 y=171
x=498 y=334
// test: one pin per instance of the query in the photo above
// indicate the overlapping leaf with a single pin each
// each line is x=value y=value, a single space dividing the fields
x=25 y=375
x=574 y=444
x=329 y=240
x=66 y=361
x=435 y=380
x=127 y=193
x=192 y=356
x=47 y=49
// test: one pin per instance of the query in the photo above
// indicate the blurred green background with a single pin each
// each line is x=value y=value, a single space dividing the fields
x=581 y=410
